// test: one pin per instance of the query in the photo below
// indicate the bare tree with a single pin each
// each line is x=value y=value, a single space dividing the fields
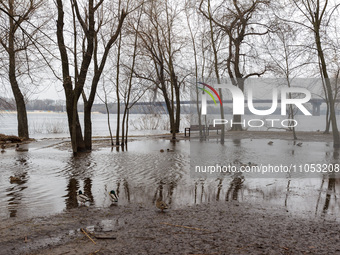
x=16 y=36
x=288 y=58
x=236 y=20
x=72 y=93
x=190 y=11
x=216 y=67
x=106 y=103
x=86 y=17
x=131 y=93
x=108 y=41
x=161 y=47
x=317 y=14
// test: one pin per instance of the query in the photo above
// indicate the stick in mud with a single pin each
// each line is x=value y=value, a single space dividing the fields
x=88 y=236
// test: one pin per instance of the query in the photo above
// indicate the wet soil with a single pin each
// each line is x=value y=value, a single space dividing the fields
x=271 y=135
x=228 y=228
x=318 y=136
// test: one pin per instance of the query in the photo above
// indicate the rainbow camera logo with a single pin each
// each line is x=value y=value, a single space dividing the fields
x=204 y=98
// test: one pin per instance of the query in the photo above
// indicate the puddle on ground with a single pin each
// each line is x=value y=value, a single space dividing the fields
x=50 y=178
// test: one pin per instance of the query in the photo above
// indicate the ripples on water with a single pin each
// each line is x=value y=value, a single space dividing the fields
x=50 y=178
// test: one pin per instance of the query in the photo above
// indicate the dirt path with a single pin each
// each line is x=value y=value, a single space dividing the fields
x=229 y=228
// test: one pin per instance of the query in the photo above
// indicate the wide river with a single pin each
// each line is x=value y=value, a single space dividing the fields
x=51 y=176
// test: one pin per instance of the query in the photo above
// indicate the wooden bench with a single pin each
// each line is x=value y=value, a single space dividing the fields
x=217 y=127
x=193 y=128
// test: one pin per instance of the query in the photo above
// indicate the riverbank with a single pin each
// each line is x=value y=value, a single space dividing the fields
x=215 y=228
x=310 y=136
x=232 y=135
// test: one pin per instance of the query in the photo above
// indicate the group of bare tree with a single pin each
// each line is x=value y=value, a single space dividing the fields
x=134 y=48
x=287 y=38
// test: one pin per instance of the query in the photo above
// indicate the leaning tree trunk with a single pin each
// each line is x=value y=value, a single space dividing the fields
x=124 y=125
x=178 y=108
x=21 y=107
x=336 y=138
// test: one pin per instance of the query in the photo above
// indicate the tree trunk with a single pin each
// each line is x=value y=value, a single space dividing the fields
x=20 y=104
x=170 y=112
x=178 y=107
x=238 y=118
x=77 y=140
x=127 y=127
x=123 y=126
x=19 y=98
x=117 y=90
x=172 y=123
x=216 y=71
x=87 y=127
x=336 y=138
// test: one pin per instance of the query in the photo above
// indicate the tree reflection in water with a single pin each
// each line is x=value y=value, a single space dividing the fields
x=71 y=196
x=330 y=191
x=235 y=186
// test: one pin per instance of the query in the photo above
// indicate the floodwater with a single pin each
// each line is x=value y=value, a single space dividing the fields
x=51 y=177
x=55 y=125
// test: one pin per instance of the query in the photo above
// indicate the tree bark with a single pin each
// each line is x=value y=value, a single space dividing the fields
x=18 y=96
x=72 y=94
x=335 y=132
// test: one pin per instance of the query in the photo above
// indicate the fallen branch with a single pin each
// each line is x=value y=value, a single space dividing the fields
x=104 y=237
x=88 y=236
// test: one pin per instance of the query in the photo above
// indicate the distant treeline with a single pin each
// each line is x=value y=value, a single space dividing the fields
x=60 y=106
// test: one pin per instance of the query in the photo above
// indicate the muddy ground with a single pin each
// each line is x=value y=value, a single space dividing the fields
x=271 y=135
x=215 y=228
x=319 y=136
x=230 y=228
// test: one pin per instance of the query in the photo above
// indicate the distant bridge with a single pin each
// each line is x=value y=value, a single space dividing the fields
x=315 y=102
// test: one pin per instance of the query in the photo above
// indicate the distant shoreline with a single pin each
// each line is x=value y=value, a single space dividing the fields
x=37 y=111
x=308 y=136
x=311 y=136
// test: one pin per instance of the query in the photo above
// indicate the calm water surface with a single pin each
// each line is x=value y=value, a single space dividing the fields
x=54 y=124
x=51 y=177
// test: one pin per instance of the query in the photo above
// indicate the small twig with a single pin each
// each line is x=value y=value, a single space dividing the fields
x=180 y=226
x=95 y=252
x=88 y=236
x=65 y=252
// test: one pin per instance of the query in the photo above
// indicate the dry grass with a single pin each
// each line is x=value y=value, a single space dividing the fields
x=10 y=138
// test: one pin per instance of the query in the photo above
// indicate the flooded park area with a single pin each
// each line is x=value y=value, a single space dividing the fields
x=50 y=176
x=40 y=213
